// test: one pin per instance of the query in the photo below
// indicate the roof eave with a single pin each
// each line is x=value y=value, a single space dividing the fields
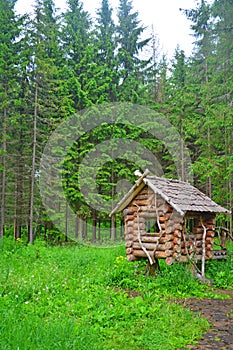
x=137 y=187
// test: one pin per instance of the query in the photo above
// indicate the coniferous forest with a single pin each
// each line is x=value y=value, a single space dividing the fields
x=54 y=65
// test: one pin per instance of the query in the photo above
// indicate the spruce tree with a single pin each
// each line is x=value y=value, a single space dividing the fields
x=131 y=45
x=10 y=31
x=106 y=47
x=77 y=42
x=45 y=90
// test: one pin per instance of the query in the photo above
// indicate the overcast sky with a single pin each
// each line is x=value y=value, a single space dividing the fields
x=169 y=23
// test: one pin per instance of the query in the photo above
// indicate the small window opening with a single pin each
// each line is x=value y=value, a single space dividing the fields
x=152 y=226
x=191 y=223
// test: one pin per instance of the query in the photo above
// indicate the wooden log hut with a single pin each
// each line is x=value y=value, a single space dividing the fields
x=168 y=219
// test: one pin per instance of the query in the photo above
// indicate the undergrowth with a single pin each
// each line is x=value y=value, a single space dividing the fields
x=78 y=298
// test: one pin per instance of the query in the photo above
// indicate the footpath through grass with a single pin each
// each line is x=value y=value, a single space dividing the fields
x=74 y=298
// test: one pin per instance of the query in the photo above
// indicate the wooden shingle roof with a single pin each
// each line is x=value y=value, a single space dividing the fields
x=182 y=196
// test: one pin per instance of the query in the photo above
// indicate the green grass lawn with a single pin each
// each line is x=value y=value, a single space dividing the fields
x=76 y=298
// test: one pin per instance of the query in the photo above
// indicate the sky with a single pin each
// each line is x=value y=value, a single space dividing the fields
x=170 y=26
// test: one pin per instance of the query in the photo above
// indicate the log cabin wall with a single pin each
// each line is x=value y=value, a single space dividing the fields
x=149 y=212
x=191 y=242
x=152 y=223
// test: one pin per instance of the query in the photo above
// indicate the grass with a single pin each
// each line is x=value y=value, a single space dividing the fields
x=77 y=298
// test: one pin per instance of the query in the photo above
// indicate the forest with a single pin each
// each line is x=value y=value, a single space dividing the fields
x=54 y=66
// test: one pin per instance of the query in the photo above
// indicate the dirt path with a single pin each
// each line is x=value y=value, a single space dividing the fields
x=220 y=315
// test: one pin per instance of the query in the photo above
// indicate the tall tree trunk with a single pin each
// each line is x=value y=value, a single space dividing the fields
x=93 y=238
x=113 y=217
x=19 y=187
x=3 y=198
x=209 y=179
x=31 y=215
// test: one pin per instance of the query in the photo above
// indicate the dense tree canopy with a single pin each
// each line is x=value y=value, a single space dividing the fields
x=53 y=65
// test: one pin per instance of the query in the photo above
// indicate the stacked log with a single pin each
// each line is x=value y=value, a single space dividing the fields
x=191 y=244
x=157 y=244
x=170 y=241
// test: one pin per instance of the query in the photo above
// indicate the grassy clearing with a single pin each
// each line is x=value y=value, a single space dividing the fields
x=75 y=298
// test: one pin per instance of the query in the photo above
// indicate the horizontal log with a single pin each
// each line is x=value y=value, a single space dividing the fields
x=130 y=211
x=141 y=202
x=147 y=209
x=139 y=219
x=129 y=223
x=131 y=257
x=163 y=208
x=152 y=246
x=153 y=239
x=157 y=255
x=129 y=237
x=197 y=244
x=146 y=191
x=175 y=226
x=193 y=237
x=199 y=257
x=143 y=196
x=148 y=215
x=194 y=250
x=129 y=218
x=182 y=259
x=128 y=229
x=198 y=230
x=146 y=239
x=164 y=218
x=140 y=226
x=148 y=246
x=178 y=219
x=149 y=234
x=199 y=235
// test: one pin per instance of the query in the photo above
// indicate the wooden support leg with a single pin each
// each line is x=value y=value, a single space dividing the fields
x=154 y=268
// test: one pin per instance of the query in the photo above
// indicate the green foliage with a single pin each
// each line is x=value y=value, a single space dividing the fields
x=221 y=272
x=65 y=296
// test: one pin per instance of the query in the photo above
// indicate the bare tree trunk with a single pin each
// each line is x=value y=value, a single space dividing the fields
x=19 y=188
x=31 y=213
x=209 y=179
x=113 y=227
x=99 y=230
x=77 y=228
x=3 y=198
x=93 y=238
x=84 y=229
x=113 y=217
x=67 y=224
x=182 y=151
x=230 y=176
